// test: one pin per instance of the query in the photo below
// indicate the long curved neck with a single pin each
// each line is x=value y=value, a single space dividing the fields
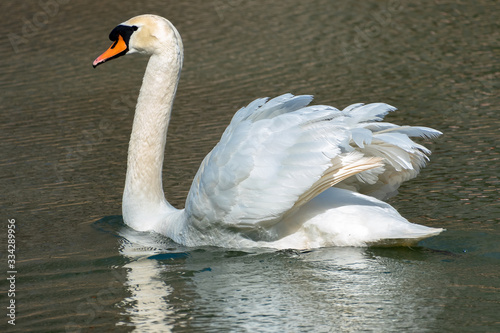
x=144 y=204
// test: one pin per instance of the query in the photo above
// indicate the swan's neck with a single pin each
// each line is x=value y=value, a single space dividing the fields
x=144 y=205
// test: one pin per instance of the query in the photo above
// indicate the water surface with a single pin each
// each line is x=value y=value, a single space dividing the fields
x=64 y=131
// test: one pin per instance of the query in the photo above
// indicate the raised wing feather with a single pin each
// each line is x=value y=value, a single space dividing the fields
x=276 y=155
x=402 y=157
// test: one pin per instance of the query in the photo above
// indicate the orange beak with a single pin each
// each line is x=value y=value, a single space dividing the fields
x=118 y=48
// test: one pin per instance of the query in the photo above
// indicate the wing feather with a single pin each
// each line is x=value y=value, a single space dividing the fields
x=278 y=154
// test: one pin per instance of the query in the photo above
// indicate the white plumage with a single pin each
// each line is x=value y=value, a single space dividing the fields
x=285 y=174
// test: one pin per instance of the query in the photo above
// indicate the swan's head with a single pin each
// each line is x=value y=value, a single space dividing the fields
x=147 y=34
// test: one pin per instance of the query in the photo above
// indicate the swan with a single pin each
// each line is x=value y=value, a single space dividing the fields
x=285 y=174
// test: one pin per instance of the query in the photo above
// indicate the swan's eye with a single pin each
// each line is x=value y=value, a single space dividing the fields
x=135 y=27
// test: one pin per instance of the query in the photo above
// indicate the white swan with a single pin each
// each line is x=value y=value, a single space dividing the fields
x=283 y=175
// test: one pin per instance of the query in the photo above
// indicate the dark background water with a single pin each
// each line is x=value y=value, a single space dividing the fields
x=64 y=131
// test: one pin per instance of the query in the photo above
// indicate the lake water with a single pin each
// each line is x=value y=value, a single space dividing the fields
x=64 y=133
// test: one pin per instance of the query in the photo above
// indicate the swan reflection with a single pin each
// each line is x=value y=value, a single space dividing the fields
x=348 y=289
x=146 y=308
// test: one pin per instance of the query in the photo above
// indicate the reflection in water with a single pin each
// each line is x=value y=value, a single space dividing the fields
x=348 y=289
x=146 y=307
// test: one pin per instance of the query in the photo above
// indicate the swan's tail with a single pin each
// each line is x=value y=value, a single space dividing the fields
x=419 y=233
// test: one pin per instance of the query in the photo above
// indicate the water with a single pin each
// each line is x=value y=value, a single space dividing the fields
x=64 y=131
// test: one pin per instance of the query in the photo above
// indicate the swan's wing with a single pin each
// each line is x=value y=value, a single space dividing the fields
x=402 y=157
x=276 y=155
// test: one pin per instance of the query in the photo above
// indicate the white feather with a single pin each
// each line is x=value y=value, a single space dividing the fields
x=293 y=147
